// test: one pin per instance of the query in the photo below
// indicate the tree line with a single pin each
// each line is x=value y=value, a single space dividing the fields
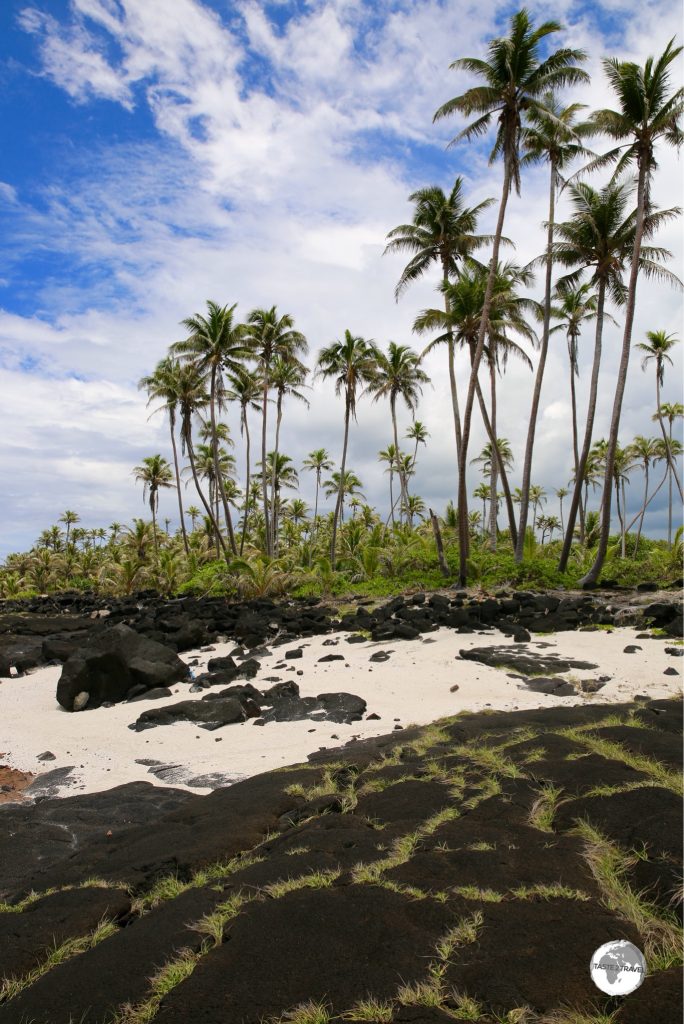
x=592 y=264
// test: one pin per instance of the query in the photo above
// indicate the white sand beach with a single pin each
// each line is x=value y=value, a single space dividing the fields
x=423 y=680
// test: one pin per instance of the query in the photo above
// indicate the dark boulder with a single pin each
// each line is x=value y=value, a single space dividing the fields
x=115 y=662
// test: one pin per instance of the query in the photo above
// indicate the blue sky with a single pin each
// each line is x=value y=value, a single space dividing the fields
x=157 y=153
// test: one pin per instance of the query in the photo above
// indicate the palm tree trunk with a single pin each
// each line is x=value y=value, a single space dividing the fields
x=539 y=377
x=493 y=476
x=247 y=478
x=575 y=438
x=318 y=484
x=670 y=464
x=624 y=521
x=217 y=466
x=452 y=367
x=642 y=511
x=561 y=515
x=274 y=470
x=403 y=507
x=172 y=424
x=588 y=431
x=154 y=524
x=670 y=460
x=207 y=506
x=264 y=492
x=512 y=529
x=463 y=534
x=592 y=576
x=340 y=490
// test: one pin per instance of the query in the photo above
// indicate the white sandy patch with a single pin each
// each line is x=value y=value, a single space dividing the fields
x=412 y=687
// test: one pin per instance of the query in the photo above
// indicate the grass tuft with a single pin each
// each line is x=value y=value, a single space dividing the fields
x=544 y=808
x=371 y=1010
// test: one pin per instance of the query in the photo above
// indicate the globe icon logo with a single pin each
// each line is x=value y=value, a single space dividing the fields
x=617 y=968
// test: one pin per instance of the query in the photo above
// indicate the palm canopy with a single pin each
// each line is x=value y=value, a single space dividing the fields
x=244 y=387
x=553 y=135
x=600 y=237
x=646 y=114
x=287 y=376
x=153 y=473
x=352 y=363
x=466 y=299
x=318 y=461
x=443 y=231
x=268 y=334
x=215 y=342
x=398 y=374
x=657 y=350
x=573 y=307
x=484 y=459
x=515 y=79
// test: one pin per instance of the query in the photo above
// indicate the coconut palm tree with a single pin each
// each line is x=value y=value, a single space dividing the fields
x=287 y=377
x=282 y=472
x=192 y=399
x=347 y=484
x=561 y=493
x=69 y=519
x=483 y=493
x=244 y=387
x=318 y=461
x=669 y=411
x=161 y=386
x=507 y=314
x=623 y=464
x=443 y=233
x=352 y=364
x=415 y=506
x=643 y=450
x=154 y=473
x=194 y=513
x=418 y=433
x=514 y=79
x=574 y=307
x=270 y=335
x=657 y=350
x=390 y=456
x=398 y=375
x=216 y=346
x=537 y=497
x=649 y=114
x=600 y=238
x=553 y=137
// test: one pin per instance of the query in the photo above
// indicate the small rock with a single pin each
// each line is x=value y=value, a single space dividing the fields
x=632 y=649
x=675 y=652
x=670 y=671
x=454 y=688
x=47 y=755
x=380 y=656
x=296 y=652
x=373 y=717
x=80 y=700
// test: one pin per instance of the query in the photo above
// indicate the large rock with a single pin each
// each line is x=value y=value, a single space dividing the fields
x=113 y=664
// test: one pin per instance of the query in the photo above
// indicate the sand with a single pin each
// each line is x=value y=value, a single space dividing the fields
x=415 y=686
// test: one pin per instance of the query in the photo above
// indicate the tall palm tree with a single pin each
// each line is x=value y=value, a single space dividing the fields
x=154 y=473
x=194 y=513
x=561 y=493
x=287 y=377
x=669 y=411
x=283 y=474
x=483 y=493
x=649 y=113
x=515 y=77
x=489 y=459
x=398 y=375
x=600 y=238
x=418 y=433
x=318 y=461
x=575 y=307
x=466 y=301
x=192 y=399
x=390 y=456
x=537 y=497
x=657 y=350
x=270 y=335
x=623 y=464
x=643 y=450
x=347 y=483
x=352 y=364
x=552 y=137
x=244 y=387
x=215 y=344
x=161 y=385
x=69 y=518
x=443 y=233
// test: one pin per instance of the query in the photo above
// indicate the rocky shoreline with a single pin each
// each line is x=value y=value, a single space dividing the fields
x=463 y=870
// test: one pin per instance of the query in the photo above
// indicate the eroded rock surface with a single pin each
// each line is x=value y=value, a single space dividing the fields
x=468 y=851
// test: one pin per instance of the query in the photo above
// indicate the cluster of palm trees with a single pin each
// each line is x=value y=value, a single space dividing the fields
x=592 y=263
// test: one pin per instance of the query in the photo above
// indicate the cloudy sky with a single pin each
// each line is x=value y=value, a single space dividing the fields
x=157 y=153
